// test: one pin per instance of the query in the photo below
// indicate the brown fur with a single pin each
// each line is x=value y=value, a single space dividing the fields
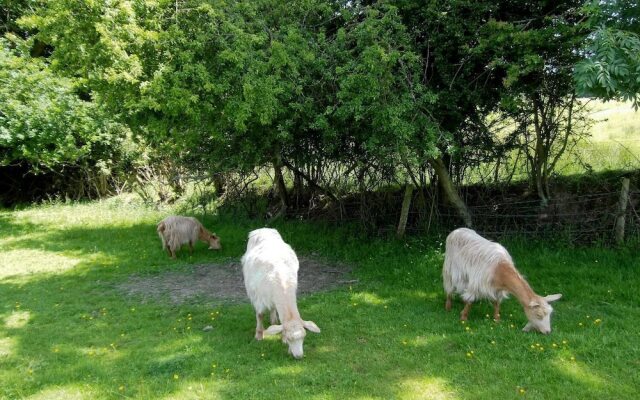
x=176 y=231
x=507 y=278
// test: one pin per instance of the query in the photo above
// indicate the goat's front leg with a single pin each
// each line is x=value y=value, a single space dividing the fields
x=259 y=327
x=496 y=310
x=274 y=317
x=447 y=304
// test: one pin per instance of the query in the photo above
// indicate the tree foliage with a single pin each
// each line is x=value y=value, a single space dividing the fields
x=611 y=65
x=384 y=91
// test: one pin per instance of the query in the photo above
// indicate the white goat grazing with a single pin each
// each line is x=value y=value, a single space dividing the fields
x=270 y=269
x=477 y=268
x=176 y=231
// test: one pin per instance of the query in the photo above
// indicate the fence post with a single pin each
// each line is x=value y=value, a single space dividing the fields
x=622 y=210
x=404 y=214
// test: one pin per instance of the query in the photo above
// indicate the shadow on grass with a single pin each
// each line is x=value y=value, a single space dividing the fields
x=72 y=331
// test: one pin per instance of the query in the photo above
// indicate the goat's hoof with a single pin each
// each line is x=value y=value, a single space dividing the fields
x=259 y=335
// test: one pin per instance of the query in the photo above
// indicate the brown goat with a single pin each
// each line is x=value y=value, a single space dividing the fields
x=176 y=231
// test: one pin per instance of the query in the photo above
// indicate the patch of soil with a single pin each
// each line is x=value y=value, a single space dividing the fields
x=224 y=282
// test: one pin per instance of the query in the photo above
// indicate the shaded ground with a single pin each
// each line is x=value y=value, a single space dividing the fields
x=224 y=282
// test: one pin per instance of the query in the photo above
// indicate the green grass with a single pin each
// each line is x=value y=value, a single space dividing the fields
x=67 y=332
x=613 y=142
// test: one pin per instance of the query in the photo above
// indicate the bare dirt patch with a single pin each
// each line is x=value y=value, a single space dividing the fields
x=224 y=282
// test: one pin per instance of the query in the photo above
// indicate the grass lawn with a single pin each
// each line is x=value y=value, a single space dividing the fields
x=68 y=332
x=615 y=138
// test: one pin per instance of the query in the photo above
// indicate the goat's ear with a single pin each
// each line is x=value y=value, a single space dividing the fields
x=311 y=326
x=273 y=330
x=552 y=297
x=527 y=327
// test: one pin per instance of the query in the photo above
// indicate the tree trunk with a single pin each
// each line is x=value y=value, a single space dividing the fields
x=449 y=191
x=219 y=183
x=281 y=188
x=539 y=157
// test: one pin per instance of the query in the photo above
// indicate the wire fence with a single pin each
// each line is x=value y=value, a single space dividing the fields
x=575 y=218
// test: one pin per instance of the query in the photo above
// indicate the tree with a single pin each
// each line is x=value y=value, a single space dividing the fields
x=611 y=65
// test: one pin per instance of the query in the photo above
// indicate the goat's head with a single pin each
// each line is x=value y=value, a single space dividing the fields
x=293 y=333
x=538 y=313
x=214 y=242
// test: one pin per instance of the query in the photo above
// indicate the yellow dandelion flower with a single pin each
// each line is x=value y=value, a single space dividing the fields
x=522 y=391
x=121 y=388
x=554 y=345
x=597 y=321
x=467 y=328
x=176 y=376
x=469 y=355
x=564 y=342
x=580 y=324
x=493 y=342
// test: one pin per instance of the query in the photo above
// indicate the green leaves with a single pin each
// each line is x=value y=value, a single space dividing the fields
x=611 y=68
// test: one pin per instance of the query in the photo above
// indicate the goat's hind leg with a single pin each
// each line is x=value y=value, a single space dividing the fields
x=259 y=327
x=447 y=304
x=465 y=311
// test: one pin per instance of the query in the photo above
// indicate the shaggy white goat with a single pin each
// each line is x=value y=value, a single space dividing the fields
x=176 y=231
x=477 y=268
x=270 y=269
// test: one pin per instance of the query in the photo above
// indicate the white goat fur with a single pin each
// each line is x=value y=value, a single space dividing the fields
x=176 y=231
x=469 y=266
x=476 y=268
x=270 y=269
